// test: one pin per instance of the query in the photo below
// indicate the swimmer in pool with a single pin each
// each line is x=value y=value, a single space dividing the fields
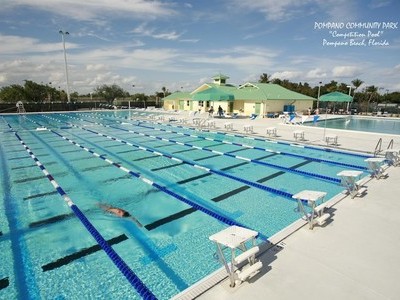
x=119 y=212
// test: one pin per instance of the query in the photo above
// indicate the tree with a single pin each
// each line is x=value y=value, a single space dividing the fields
x=35 y=92
x=12 y=93
x=264 y=78
x=356 y=83
x=110 y=92
x=371 y=93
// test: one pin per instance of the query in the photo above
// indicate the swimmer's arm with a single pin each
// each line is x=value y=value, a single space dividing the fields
x=136 y=221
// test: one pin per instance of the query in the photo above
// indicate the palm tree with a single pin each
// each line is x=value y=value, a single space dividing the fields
x=371 y=93
x=264 y=78
x=357 y=83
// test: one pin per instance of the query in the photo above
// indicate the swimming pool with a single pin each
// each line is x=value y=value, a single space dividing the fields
x=366 y=124
x=183 y=185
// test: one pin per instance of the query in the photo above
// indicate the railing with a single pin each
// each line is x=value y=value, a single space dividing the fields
x=378 y=147
x=390 y=146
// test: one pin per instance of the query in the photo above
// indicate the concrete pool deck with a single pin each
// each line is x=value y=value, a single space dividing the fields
x=355 y=256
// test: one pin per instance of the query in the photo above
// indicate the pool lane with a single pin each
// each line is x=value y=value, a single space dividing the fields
x=218 y=172
x=60 y=262
x=243 y=182
x=135 y=281
x=203 y=208
x=229 y=154
x=229 y=135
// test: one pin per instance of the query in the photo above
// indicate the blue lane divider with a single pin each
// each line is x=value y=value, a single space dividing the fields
x=320 y=160
x=135 y=281
x=258 y=148
x=252 y=138
x=210 y=212
x=218 y=172
x=298 y=172
x=153 y=251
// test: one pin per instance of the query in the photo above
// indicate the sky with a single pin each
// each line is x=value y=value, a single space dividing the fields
x=144 y=45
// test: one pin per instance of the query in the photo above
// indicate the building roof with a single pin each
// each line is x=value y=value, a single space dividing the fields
x=248 y=91
x=213 y=94
x=179 y=96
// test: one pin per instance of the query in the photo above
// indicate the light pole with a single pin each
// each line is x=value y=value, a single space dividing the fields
x=319 y=93
x=63 y=34
x=348 y=103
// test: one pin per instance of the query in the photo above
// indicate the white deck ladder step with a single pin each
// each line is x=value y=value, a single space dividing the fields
x=322 y=219
x=242 y=275
x=247 y=254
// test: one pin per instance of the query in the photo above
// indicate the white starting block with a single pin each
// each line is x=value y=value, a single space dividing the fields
x=271 y=131
x=298 y=135
x=392 y=156
x=228 y=126
x=376 y=167
x=236 y=239
x=331 y=139
x=210 y=123
x=316 y=215
x=350 y=179
x=248 y=128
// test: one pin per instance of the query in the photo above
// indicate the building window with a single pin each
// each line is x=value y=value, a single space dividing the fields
x=201 y=103
x=187 y=103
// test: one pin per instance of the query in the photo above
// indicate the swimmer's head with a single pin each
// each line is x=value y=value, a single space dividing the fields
x=126 y=214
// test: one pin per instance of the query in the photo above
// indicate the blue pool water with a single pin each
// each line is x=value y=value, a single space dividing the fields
x=181 y=184
x=379 y=125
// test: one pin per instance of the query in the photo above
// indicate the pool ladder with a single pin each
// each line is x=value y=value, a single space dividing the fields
x=378 y=147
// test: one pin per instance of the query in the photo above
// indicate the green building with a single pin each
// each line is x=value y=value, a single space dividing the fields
x=248 y=98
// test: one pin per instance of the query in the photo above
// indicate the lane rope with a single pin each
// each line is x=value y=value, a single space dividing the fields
x=134 y=280
x=210 y=212
x=255 y=161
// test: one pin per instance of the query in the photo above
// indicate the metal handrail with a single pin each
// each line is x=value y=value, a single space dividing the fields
x=390 y=146
x=378 y=147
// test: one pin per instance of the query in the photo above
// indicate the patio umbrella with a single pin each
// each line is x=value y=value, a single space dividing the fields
x=334 y=97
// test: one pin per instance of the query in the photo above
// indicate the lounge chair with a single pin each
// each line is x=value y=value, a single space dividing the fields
x=304 y=119
x=253 y=116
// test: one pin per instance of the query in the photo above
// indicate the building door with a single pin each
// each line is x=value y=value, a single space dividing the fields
x=181 y=104
x=257 y=108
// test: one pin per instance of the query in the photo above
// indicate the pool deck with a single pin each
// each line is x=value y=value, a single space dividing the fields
x=354 y=256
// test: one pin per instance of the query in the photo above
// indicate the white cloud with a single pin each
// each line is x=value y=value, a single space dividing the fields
x=374 y=4
x=3 y=78
x=273 y=10
x=346 y=71
x=142 y=30
x=284 y=10
x=92 y=10
x=316 y=73
x=17 y=45
x=287 y=75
